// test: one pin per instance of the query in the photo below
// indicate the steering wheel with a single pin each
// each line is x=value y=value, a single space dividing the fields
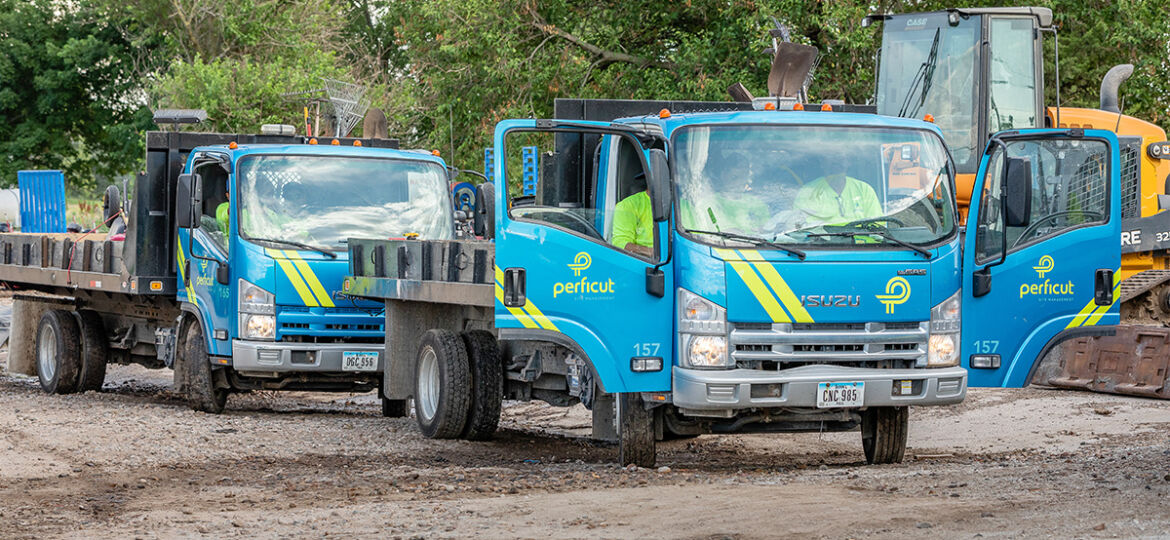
x=867 y=221
x=1051 y=218
x=799 y=181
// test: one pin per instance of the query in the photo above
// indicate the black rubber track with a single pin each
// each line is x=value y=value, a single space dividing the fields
x=487 y=385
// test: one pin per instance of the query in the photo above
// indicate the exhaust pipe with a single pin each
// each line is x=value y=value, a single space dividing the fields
x=1111 y=84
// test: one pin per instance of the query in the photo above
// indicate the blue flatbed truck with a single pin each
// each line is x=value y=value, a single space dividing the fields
x=229 y=269
x=746 y=314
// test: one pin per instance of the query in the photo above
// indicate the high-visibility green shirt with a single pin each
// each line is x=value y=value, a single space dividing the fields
x=633 y=221
x=745 y=214
x=824 y=205
x=222 y=215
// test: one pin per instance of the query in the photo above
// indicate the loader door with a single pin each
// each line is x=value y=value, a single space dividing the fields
x=1041 y=256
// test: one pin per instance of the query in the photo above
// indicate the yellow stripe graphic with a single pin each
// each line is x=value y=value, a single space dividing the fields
x=539 y=317
x=755 y=285
x=183 y=274
x=310 y=278
x=525 y=320
x=293 y=277
x=1091 y=314
x=780 y=287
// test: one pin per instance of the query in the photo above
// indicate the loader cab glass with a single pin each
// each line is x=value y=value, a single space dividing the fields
x=934 y=63
x=813 y=186
x=593 y=185
x=1069 y=180
x=321 y=201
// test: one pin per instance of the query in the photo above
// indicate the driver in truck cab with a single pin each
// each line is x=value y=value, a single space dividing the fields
x=729 y=205
x=633 y=223
x=837 y=198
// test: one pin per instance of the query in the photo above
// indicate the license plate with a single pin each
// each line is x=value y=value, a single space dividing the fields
x=840 y=394
x=359 y=361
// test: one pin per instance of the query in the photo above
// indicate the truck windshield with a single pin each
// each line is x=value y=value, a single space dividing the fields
x=812 y=185
x=928 y=66
x=323 y=200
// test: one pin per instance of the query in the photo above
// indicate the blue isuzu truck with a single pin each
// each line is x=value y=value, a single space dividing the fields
x=728 y=271
x=225 y=266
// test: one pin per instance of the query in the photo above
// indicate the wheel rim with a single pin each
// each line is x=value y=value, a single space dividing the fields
x=47 y=353
x=428 y=384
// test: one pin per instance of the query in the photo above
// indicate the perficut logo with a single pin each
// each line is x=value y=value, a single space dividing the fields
x=581 y=263
x=897 y=293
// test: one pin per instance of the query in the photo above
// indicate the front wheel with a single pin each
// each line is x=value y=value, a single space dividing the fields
x=203 y=394
x=883 y=434
x=635 y=431
x=442 y=385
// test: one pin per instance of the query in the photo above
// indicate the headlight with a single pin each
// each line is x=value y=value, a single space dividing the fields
x=945 y=326
x=253 y=326
x=257 y=309
x=706 y=352
x=702 y=327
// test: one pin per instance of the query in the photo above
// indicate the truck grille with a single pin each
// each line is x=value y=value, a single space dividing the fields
x=784 y=345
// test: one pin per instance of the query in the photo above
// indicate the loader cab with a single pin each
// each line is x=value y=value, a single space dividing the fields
x=976 y=71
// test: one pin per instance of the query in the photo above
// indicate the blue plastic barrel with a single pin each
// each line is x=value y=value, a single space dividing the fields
x=42 y=201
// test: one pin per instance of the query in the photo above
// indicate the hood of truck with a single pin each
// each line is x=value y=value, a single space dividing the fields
x=771 y=287
x=308 y=278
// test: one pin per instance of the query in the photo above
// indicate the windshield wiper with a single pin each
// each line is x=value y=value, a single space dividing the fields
x=880 y=234
x=755 y=240
x=922 y=81
x=301 y=245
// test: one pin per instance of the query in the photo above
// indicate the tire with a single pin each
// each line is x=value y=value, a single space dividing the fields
x=94 y=351
x=58 y=352
x=487 y=385
x=883 y=434
x=394 y=408
x=442 y=385
x=202 y=394
x=635 y=431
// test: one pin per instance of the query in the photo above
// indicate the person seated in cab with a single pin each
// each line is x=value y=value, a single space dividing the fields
x=837 y=198
x=729 y=205
x=633 y=221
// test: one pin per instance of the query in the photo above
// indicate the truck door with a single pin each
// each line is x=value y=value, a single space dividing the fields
x=203 y=249
x=1060 y=220
x=560 y=275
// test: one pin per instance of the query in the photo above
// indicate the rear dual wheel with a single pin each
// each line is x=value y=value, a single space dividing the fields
x=71 y=351
x=458 y=385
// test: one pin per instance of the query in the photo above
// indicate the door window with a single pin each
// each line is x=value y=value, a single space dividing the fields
x=591 y=185
x=215 y=217
x=1070 y=189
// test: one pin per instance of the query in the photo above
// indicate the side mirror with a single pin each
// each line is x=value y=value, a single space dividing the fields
x=658 y=181
x=184 y=214
x=484 y=219
x=1017 y=201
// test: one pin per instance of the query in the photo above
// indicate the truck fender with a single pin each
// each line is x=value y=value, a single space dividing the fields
x=191 y=314
x=582 y=342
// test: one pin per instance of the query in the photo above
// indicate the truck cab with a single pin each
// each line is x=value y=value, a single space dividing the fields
x=262 y=251
x=739 y=271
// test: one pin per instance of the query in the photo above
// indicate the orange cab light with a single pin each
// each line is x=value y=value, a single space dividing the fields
x=313 y=140
x=435 y=153
x=335 y=142
x=357 y=143
x=664 y=113
x=826 y=107
x=929 y=118
x=798 y=106
x=769 y=106
x=232 y=145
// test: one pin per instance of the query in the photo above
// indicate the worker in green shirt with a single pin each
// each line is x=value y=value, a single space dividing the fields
x=633 y=222
x=223 y=213
x=836 y=198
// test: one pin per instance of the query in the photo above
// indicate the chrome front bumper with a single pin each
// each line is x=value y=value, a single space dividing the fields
x=268 y=356
x=724 y=390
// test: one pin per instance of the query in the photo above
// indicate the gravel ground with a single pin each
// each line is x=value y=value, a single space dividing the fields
x=133 y=461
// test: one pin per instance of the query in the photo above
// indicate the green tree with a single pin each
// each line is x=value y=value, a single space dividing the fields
x=69 y=92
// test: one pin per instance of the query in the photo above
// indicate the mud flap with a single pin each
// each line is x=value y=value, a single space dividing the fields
x=1134 y=362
